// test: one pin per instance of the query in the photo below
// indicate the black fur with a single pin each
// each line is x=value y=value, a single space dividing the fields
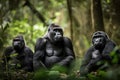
x=20 y=55
x=53 y=49
x=98 y=52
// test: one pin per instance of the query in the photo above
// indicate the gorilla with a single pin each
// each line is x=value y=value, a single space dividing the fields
x=53 y=49
x=18 y=56
x=98 y=53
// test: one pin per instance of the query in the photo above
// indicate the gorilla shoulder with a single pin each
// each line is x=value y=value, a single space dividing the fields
x=27 y=50
x=67 y=42
x=8 y=50
x=40 y=44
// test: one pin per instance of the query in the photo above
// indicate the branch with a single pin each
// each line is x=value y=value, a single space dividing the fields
x=37 y=13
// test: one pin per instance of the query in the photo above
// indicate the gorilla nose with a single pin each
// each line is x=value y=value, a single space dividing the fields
x=15 y=45
x=59 y=35
x=97 y=40
x=95 y=43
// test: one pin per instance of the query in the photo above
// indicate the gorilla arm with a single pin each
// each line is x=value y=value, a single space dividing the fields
x=39 y=54
x=96 y=57
x=85 y=62
x=6 y=54
x=28 y=59
x=69 y=53
x=110 y=45
x=90 y=60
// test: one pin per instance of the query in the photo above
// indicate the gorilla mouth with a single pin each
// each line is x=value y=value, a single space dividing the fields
x=17 y=47
x=98 y=46
x=57 y=39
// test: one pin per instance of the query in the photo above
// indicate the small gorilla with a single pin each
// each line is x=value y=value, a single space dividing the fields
x=99 y=52
x=53 y=49
x=18 y=56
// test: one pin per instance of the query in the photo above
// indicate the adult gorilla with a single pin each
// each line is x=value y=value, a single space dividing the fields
x=53 y=49
x=99 y=52
x=18 y=56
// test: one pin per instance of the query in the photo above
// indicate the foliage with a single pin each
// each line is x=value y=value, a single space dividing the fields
x=3 y=35
x=17 y=18
x=30 y=33
x=60 y=73
x=16 y=75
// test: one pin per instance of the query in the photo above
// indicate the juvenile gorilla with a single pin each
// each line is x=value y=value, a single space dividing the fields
x=100 y=51
x=53 y=49
x=18 y=56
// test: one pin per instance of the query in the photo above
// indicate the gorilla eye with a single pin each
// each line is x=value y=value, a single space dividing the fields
x=60 y=31
x=57 y=30
x=16 y=40
x=97 y=33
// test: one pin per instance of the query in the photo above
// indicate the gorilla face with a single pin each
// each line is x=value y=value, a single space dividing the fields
x=18 y=43
x=99 y=39
x=55 y=34
x=99 y=42
x=58 y=35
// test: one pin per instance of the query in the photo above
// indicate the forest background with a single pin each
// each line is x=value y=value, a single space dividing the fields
x=78 y=18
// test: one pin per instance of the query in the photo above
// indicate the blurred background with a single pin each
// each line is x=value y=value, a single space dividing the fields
x=78 y=18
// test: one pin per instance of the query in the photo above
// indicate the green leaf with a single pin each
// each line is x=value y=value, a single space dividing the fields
x=13 y=55
x=108 y=1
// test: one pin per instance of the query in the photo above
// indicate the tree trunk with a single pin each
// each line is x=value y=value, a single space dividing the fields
x=97 y=16
x=70 y=17
x=116 y=12
x=115 y=20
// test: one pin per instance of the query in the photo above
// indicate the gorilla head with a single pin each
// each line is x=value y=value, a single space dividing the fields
x=55 y=33
x=99 y=39
x=18 y=43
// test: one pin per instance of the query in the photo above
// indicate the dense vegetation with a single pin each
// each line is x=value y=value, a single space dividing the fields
x=78 y=18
